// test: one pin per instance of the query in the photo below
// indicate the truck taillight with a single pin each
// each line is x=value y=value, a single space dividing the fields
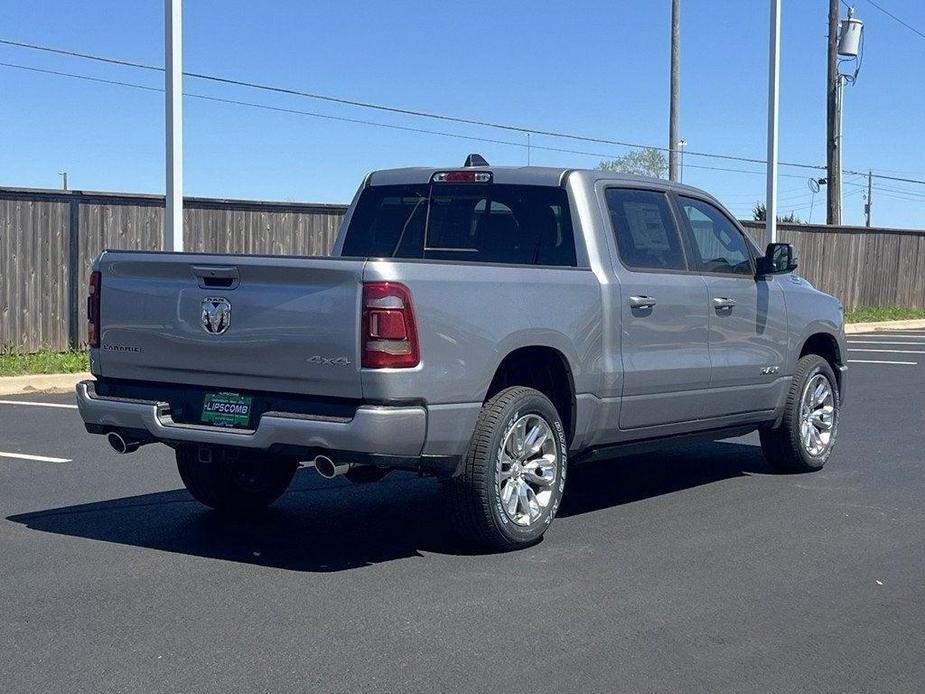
x=389 y=334
x=93 y=310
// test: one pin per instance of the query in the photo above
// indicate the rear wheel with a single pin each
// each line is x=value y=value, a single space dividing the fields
x=514 y=471
x=246 y=482
x=804 y=440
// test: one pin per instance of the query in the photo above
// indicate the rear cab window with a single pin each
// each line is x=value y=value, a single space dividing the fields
x=646 y=234
x=474 y=222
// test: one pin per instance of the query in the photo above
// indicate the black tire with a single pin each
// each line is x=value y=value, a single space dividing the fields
x=243 y=483
x=475 y=495
x=782 y=446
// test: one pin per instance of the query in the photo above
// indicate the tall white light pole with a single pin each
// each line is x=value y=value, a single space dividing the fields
x=770 y=216
x=173 y=47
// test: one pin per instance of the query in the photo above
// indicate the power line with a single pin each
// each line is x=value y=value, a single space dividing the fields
x=391 y=109
x=391 y=126
x=896 y=19
x=904 y=191
x=88 y=78
x=783 y=194
x=900 y=195
x=404 y=111
x=75 y=54
x=890 y=178
x=903 y=171
x=279 y=109
x=904 y=198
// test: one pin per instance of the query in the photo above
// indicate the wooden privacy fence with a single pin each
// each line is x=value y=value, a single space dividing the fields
x=49 y=239
x=861 y=266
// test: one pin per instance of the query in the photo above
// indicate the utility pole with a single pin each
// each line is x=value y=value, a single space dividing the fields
x=833 y=129
x=674 y=106
x=173 y=48
x=770 y=217
x=870 y=190
x=63 y=174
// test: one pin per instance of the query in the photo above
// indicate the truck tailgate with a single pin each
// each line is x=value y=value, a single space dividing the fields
x=278 y=324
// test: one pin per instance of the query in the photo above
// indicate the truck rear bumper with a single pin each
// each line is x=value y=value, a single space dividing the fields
x=386 y=431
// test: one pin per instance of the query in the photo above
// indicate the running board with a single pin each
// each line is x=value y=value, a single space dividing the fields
x=618 y=450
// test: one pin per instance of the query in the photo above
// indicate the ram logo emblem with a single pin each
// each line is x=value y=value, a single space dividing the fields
x=216 y=315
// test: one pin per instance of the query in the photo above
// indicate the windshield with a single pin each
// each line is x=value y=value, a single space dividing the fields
x=523 y=225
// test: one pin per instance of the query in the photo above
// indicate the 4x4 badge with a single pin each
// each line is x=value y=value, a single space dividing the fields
x=328 y=361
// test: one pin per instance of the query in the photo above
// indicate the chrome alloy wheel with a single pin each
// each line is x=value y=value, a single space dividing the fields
x=817 y=416
x=528 y=466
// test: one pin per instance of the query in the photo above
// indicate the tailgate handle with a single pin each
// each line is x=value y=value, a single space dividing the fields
x=216 y=276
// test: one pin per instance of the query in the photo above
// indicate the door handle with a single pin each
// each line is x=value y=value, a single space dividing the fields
x=642 y=302
x=722 y=303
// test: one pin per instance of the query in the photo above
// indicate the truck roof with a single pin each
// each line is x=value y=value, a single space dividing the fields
x=523 y=175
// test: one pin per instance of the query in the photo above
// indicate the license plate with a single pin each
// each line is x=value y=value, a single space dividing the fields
x=227 y=410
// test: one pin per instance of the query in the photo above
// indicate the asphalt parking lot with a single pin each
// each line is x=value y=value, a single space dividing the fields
x=688 y=570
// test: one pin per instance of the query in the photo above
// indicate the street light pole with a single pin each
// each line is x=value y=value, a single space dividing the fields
x=173 y=46
x=773 y=94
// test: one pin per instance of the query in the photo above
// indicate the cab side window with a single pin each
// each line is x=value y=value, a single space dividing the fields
x=647 y=237
x=718 y=245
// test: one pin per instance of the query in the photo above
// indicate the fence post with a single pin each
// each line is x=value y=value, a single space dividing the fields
x=73 y=272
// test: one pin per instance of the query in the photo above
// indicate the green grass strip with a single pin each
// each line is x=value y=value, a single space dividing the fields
x=876 y=314
x=15 y=364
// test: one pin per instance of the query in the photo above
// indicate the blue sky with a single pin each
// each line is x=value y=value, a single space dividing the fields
x=592 y=68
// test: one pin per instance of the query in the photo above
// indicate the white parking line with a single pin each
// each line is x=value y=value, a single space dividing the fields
x=864 y=336
x=29 y=403
x=894 y=332
x=873 y=361
x=35 y=458
x=888 y=351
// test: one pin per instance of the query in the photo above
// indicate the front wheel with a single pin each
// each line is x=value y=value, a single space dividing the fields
x=804 y=440
x=247 y=482
x=514 y=472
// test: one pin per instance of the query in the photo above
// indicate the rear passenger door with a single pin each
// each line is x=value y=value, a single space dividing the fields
x=666 y=363
x=748 y=318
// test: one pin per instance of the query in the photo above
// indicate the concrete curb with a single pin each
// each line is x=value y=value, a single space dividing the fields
x=41 y=383
x=853 y=328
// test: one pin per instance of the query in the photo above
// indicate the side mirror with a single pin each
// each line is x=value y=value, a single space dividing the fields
x=778 y=259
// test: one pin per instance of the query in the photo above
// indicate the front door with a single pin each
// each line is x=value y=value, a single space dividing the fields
x=666 y=362
x=748 y=317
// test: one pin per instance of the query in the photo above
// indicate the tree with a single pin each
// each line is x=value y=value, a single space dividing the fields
x=642 y=162
x=760 y=213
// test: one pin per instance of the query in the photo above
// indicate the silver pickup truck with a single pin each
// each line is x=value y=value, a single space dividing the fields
x=486 y=325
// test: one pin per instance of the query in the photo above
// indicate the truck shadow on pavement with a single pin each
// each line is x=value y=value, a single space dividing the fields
x=325 y=526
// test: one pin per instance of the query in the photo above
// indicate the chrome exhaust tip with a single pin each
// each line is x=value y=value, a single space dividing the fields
x=120 y=444
x=328 y=469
